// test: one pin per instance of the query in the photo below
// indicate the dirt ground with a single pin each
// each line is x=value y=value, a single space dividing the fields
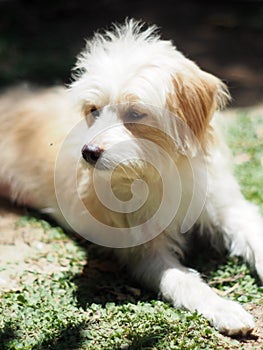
x=256 y=339
x=17 y=244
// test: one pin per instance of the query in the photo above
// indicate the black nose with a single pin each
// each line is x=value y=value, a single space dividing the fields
x=91 y=153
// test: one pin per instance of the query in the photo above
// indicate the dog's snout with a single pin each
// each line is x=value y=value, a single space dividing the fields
x=91 y=153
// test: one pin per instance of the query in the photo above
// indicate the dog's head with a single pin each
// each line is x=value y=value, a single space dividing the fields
x=144 y=102
x=131 y=77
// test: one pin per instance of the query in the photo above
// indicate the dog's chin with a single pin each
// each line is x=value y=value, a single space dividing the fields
x=105 y=165
x=124 y=166
x=127 y=171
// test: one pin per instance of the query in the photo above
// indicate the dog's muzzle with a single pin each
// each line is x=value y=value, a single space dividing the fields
x=91 y=153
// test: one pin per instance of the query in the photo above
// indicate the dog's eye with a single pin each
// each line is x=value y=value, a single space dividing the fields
x=95 y=112
x=133 y=115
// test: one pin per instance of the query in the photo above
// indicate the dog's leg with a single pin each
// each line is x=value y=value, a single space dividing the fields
x=159 y=269
x=239 y=221
x=242 y=228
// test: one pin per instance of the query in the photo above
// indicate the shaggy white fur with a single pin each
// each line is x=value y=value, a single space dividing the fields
x=154 y=169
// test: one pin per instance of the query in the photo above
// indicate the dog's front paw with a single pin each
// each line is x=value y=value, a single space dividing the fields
x=230 y=318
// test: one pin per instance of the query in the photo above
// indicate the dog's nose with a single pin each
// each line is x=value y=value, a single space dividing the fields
x=91 y=153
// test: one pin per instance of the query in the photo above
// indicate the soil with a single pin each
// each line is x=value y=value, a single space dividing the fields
x=17 y=245
x=256 y=339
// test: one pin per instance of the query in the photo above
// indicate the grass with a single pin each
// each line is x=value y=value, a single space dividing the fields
x=68 y=298
x=245 y=137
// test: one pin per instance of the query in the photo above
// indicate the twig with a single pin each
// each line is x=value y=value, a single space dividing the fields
x=227 y=279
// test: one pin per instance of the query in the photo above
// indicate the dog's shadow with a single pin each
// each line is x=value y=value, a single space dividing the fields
x=104 y=280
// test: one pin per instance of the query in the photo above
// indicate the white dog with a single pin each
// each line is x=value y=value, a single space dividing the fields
x=142 y=171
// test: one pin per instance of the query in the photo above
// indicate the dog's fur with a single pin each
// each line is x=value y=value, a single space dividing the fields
x=124 y=68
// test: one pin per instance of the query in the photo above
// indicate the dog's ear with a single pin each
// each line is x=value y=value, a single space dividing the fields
x=196 y=96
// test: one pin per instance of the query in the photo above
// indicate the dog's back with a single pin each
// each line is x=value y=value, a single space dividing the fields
x=33 y=123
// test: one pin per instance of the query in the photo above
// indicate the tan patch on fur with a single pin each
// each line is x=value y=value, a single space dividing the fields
x=195 y=97
x=153 y=134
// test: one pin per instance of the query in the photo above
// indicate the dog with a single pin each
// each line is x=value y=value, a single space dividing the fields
x=130 y=156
